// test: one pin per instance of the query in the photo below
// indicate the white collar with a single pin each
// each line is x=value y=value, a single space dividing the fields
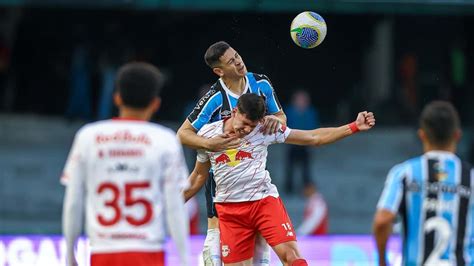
x=229 y=92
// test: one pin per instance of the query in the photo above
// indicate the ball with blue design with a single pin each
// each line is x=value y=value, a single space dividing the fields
x=308 y=29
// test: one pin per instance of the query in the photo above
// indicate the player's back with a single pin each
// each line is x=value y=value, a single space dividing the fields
x=124 y=164
x=437 y=210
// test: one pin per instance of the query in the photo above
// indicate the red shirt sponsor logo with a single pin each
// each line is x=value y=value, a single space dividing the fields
x=243 y=155
x=222 y=159
x=123 y=136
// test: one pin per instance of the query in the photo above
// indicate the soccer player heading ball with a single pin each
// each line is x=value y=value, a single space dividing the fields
x=246 y=200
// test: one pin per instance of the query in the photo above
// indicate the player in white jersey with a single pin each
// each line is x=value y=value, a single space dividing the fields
x=246 y=200
x=234 y=81
x=126 y=174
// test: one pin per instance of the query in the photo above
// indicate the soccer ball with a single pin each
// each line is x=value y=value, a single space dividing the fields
x=308 y=29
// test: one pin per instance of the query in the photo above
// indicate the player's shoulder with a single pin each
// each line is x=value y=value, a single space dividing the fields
x=90 y=128
x=258 y=77
x=211 y=129
x=404 y=167
x=213 y=94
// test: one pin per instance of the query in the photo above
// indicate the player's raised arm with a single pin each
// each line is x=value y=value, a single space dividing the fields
x=197 y=179
x=188 y=136
x=321 y=136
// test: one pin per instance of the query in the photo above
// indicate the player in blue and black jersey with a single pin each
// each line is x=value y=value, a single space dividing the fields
x=217 y=104
x=433 y=195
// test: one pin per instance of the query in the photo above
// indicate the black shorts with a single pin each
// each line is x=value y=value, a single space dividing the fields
x=210 y=193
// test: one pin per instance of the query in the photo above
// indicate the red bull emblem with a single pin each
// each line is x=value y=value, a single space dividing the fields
x=222 y=159
x=233 y=157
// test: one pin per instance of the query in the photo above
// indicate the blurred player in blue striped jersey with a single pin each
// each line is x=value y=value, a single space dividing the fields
x=433 y=195
x=217 y=104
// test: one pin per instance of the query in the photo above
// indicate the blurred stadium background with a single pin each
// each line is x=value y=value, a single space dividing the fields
x=57 y=59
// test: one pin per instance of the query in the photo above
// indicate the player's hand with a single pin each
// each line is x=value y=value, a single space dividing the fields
x=223 y=142
x=365 y=120
x=271 y=124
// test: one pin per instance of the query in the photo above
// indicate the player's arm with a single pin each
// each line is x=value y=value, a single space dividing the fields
x=197 y=179
x=73 y=203
x=175 y=173
x=276 y=115
x=200 y=116
x=387 y=207
x=382 y=229
x=321 y=136
x=188 y=136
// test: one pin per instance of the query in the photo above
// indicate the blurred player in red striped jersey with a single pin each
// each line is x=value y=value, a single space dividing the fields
x=126 y=174
x=246 y=201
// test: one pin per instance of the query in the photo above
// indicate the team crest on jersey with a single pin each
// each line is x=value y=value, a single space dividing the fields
x=233 y=157
x=441 y=174
x=225 y=250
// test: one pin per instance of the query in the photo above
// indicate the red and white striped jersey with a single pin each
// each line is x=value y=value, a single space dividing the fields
x=122 y=169
x=241 y=174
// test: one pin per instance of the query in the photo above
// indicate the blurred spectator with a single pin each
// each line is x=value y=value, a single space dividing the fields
x=79 y=104
x=193 y=212
x=107 y=71
x=316 y=218
x=300 y=115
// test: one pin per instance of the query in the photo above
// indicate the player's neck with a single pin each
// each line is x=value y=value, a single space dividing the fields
x=427 y=147
x=236 y=86
x=227 y=127
x=137 y=114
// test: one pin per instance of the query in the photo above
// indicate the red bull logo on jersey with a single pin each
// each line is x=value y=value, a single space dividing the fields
x=233 y=157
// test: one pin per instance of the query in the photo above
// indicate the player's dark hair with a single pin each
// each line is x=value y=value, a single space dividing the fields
x=214 y=52
x=252 y=106
x=439 y=120
x=138 y=83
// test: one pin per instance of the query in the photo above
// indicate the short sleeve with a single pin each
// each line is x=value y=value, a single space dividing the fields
x=205 y=108
x=202 y=156
x=279 y=137
x=393 y=189
x=74 y=169
x=271 y=98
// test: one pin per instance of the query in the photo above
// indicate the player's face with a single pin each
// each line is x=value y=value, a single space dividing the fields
x=232 y=64
x=242 y=125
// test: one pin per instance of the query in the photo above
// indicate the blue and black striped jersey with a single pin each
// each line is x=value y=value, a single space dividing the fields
x=433 y=195
x=219 y=101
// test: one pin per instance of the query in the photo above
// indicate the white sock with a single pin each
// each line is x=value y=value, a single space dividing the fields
x=212 y=248
x=261 y=252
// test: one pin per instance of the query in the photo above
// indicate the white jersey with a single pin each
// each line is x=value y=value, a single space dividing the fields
x=121 y=169
x=241 y=174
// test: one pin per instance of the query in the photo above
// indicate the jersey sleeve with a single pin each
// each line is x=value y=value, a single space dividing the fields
x=393 y=190
x=279 y=137
x=175 y=174
x=73 y=205
x=205 y=108
x=202 y=156
x=266 y=87
x=74 y=167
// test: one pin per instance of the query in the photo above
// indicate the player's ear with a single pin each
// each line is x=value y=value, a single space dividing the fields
x=422 y=135
x=218 y=71
x=118 y=99
x=155 y=104
x=457 y=135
